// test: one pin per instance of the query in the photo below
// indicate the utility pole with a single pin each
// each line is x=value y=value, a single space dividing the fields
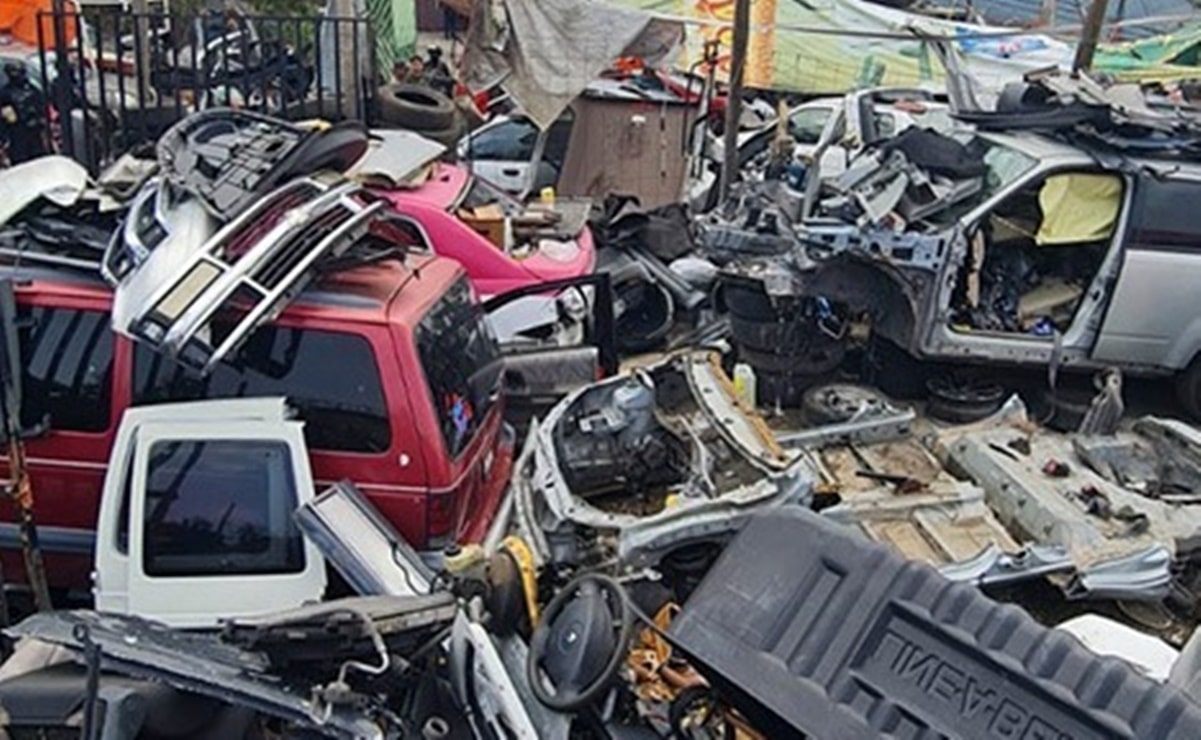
x=742 y=32
x=1089 y=36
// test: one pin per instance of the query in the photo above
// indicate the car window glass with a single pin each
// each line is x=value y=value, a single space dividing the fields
x=67 y=358
x=462 y=365
x=481 y=193
x=511 y=141
x=886 y=124
x=220 y=507
x=330 y=378
x=1003 y=165
x=806 y=125
x=1163 y=216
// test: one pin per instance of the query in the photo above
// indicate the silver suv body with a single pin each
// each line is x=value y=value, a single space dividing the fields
x=1116 y=241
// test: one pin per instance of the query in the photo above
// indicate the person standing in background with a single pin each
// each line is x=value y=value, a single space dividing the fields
x=22 y=116
x=450 y=23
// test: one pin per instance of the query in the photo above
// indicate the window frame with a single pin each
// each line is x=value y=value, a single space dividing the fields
x=30 y=331
x=474 y=154
x=829 y=111
x=141 y=506
x=1135 y=234
x=303 y=410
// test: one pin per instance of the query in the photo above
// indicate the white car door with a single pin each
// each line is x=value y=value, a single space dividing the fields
x=500 y=152
x=196 y=520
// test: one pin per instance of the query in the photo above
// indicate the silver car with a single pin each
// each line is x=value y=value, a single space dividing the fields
x=1049 y=253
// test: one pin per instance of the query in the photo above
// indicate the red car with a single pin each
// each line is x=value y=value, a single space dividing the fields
x=390 y=366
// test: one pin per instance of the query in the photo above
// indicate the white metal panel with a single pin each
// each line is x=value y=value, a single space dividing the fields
x=203 y=601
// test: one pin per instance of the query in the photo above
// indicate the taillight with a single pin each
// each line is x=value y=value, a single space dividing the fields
x=440 y=520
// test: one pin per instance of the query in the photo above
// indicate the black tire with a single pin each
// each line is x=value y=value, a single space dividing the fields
x=961 y=401
x=835 y=403
x=1188 y=388
x=784 y=390
x=337 y=148
x=1064 y=408
x=448 y=136
x=748 y=301
x=819 y=360
x=415 y=107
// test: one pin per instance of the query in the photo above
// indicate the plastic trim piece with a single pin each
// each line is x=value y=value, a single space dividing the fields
x=810 y=629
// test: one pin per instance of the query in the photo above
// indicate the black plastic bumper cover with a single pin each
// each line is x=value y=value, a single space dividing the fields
x=813 y=631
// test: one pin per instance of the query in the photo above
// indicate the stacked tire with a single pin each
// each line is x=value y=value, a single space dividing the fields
x=781 y=340
x=420 y=109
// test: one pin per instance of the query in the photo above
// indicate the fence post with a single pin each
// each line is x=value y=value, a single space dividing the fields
x=141 y=30
x=61 y=88
x=348 y=66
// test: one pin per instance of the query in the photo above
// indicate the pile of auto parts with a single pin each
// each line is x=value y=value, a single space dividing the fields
x=633 y=468
x=199 y=665
x=1116 y=116
x=791 y=342
x=638 y=247
x=53 y=215
x=227 y=158
x=212 y=166
x=1123 y=544
x=258 y=261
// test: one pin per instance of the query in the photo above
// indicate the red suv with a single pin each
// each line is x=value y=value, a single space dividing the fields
x=391 y=366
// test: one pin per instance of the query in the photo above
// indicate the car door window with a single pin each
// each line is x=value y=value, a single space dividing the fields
x=67 y=359
x=806 y=125
x=462 y=365
x=1034 y=254
x=330 y=378
x=220 y=507
x=511 y=141
x=1162 y=217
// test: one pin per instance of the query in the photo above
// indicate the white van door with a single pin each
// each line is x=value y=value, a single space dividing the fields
x=202 y=517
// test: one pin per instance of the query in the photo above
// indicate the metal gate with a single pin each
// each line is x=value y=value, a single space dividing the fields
x=125 y=77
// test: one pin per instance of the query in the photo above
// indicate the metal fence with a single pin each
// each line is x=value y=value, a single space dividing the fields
x=116 y=79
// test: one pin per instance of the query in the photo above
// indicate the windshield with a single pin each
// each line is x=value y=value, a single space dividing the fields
x=462 y=365
x=480 y=193
x=1003 y=165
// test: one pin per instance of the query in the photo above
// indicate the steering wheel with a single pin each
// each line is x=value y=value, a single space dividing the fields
x=580 y=643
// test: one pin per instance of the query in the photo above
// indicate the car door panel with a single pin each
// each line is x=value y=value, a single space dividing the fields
x=1154 y=315
x=538 y=372
x=502 y=152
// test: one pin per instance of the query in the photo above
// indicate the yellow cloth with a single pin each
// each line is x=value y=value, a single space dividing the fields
x=1078 y=208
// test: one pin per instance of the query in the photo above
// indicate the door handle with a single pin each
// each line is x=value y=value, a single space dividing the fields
x=511 y=172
